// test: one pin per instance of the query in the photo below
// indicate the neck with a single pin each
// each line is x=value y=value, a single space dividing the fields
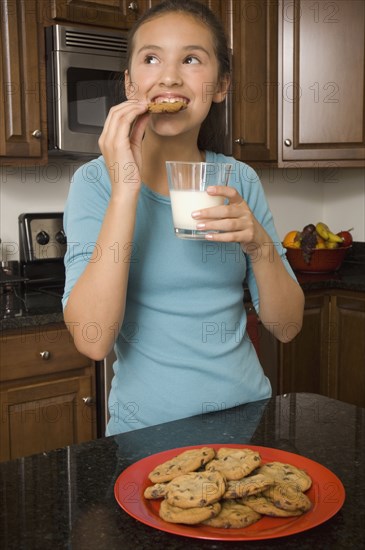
x=156 y=150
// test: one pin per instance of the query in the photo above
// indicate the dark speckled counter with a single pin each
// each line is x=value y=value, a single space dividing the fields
x=350 y=277
x=45 y=310
x=64 y=499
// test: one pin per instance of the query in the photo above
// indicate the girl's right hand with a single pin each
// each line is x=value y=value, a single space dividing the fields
x=120 y=144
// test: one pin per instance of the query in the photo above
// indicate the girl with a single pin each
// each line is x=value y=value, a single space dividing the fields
x=172 y=309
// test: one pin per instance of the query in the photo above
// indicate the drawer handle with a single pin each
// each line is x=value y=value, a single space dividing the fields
x=45 y=355
x=88 y=400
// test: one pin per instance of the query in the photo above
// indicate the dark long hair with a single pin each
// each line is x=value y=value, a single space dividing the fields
x=213 y=130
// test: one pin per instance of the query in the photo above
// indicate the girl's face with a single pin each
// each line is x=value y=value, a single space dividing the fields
x=174 y=57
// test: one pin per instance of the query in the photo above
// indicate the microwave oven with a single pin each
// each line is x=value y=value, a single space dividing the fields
x=84 y=67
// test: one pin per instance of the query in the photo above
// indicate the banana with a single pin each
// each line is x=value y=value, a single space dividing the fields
x=334 y=238
x=322 y=230
x=330 y=244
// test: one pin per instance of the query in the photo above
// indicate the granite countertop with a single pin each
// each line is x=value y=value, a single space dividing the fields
x=64 y=499
x=351 y=276
x=43 y=315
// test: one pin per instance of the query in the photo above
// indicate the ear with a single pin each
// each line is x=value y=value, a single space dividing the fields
x=129 y=87
x=222 y=89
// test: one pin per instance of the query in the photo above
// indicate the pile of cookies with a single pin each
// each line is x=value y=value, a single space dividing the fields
x=228 y=488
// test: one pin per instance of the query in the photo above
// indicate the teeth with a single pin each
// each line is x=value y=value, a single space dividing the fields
x=170 y=100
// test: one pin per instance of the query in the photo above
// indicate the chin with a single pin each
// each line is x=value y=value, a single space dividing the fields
x=172 y=129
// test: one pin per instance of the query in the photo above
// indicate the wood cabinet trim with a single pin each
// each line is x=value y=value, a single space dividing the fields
x=22 y=105
x=45 y=405
x=114 y=14
x=258 y=133
x=303 y=152
x=21 y=354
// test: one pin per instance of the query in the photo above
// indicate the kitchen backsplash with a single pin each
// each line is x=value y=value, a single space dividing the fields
x=296 y=197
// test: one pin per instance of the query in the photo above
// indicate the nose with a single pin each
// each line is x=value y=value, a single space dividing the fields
x=170 y=75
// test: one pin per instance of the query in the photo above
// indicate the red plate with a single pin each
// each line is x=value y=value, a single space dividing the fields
x=327 y=495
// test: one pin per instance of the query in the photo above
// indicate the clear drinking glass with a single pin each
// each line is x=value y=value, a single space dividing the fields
x=188 y=182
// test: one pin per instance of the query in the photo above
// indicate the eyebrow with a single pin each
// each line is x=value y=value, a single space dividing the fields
x=187 y=48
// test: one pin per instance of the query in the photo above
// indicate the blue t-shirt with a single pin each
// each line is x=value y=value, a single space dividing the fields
x=183 y=347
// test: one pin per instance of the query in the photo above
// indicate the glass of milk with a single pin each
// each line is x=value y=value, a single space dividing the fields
x=187 y=185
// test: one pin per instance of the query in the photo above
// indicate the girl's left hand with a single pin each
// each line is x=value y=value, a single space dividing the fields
x=235 y=219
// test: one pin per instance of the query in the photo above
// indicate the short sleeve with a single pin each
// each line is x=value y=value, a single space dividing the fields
x=253 y=193
x=85 y=208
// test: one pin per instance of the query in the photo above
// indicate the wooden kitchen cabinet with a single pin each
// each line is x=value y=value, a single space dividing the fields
x=327 y=356
x=252 y=28
x=321 y=76
x=302 y=362
x=23 y=134
x=254 y=86
x=346 y=375
x=117 y=14
x=47 y=392
x=215 y=5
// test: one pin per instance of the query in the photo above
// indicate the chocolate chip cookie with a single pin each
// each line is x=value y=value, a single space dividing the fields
x=190 y=516
x=288 y=473
x=195 y=489
x=250 y=485
x=233 y=515
x=185 y=462
x=167 y=107
x=234 y=463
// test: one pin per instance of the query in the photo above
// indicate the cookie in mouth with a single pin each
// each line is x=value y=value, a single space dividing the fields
x=167 y=107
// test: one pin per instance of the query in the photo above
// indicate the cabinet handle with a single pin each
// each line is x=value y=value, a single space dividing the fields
x=88 y=400
x=287 y=143
x=37 y=134
x=239 y=141
x=45 y=355
x=133 y=6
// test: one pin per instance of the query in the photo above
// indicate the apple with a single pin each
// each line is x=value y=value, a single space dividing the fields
x=346 y=237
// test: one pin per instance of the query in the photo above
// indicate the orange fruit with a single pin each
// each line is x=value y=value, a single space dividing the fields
x=291 y=240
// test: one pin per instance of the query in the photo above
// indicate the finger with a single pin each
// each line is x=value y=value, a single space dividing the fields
x=231 y=210
x=231 y=224
x=225 y=191
x=113 y=111
x=138 y=129
x=227 y=237
x=120 y=119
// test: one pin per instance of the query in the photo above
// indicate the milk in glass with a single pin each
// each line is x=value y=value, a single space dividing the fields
x=184 y=202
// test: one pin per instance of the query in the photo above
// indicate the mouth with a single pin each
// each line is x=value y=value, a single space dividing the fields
x=162 y=104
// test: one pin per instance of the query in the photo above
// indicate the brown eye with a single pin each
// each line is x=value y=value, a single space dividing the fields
x=191 y=59
x=149 y=59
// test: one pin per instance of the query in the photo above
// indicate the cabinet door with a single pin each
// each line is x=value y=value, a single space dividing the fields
x=22 y=131
x=118 y=14
x=45 y=416
x=303 y=361
x=214 y=5
x=346 y=374
x=321 y=75
x=254 y=86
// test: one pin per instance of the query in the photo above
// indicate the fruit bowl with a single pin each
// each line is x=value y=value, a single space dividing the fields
x=323 y=260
